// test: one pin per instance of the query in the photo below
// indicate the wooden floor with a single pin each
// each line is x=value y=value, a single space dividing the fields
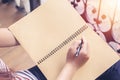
x=15 y=57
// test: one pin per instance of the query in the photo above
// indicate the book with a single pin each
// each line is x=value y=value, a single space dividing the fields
x=47 y=33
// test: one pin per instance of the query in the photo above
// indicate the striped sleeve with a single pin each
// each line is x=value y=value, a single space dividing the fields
x=24 y=75
x=3 y=67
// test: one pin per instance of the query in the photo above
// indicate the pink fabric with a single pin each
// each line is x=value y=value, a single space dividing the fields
x=107 y=28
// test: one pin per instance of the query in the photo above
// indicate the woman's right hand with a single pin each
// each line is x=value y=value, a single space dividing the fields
x=81 y=59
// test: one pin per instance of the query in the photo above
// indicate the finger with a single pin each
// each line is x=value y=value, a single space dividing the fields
x=74 y=46
x=76 y=43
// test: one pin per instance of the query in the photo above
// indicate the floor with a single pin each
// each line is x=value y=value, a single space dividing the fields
x=15 y=57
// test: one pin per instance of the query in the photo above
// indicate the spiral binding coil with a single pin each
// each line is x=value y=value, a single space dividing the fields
x=66 y=41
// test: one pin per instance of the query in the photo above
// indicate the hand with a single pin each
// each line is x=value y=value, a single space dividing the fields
x=74 y=62
x=81 y=59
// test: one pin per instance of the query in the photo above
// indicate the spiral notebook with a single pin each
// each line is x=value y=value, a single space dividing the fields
x=47 y=33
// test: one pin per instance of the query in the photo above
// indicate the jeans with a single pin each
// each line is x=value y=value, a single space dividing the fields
x=37 y=73
x=113 y=73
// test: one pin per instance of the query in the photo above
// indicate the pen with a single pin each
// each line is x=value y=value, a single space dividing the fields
x=79 y=48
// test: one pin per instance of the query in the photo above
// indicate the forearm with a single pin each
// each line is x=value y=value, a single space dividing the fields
x=6 y=38
x=67 y=72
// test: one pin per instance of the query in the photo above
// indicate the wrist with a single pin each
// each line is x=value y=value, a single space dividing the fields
x=67 y=72
x=71 y=67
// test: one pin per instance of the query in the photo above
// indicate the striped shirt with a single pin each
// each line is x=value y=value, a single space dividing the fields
x=17 y=75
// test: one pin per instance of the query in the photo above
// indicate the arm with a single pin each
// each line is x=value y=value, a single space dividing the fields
x=73 y=63
x=6 y=38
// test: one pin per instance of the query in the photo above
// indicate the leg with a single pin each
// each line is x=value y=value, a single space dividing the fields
x=113 y=73
x=36 y=71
